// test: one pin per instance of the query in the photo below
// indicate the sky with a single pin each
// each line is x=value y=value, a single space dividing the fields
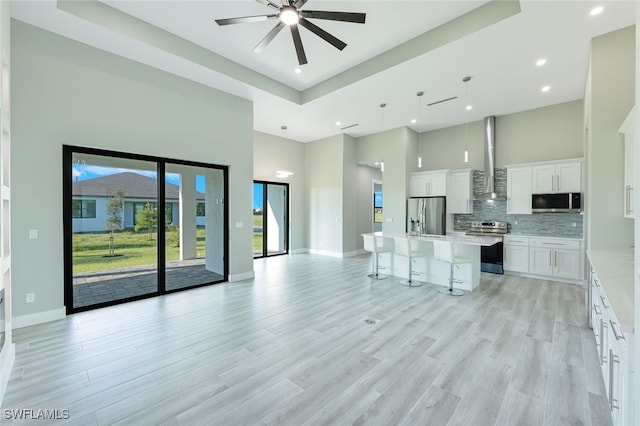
x=87 y=171
x=83 y=172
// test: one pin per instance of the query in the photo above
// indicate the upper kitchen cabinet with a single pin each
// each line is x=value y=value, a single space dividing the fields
x=518 y=190
x=627 y=130
x=460 y=192
x=556 y=177
x=428 y=184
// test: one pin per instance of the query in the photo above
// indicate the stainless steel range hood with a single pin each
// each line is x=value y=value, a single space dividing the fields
x=489 y=161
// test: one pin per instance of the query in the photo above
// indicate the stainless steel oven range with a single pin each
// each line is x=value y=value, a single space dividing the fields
x=491 y=257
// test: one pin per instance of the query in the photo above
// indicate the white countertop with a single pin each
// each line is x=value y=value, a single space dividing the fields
x=473 y=240
x=615 y=271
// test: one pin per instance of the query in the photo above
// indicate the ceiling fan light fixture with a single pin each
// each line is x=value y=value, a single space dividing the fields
x=289 y=15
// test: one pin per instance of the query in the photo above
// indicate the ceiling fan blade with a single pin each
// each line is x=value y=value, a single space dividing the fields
x=336 y=42
x=299 y=3
x=357 y=18
x=268 y=3
x=297 y=41
x=284 y=2
x=267 y=39
x=244 y=19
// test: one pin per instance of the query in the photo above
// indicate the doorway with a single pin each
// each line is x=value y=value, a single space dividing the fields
x=270 y=219
x=378 y=212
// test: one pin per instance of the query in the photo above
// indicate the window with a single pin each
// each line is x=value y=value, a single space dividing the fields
x=168 y=211
x=84 y=209
x=200 y=209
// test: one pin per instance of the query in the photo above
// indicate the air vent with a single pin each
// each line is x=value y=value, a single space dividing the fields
x=442 y=100
x=349 y=126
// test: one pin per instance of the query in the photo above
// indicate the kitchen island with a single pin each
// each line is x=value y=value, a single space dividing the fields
x=430 y=270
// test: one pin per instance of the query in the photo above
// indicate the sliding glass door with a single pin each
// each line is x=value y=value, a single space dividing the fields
x=130 y=235
x=270 y=218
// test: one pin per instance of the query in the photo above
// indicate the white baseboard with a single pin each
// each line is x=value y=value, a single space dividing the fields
x=354 y=253
x=38 y=318
x=337 y=253
x=546 y=278
x=299 y=251
x=241 y=276
x=326 y=253
x=8 y=357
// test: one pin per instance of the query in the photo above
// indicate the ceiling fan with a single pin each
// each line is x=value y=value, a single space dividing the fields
x=290 y=14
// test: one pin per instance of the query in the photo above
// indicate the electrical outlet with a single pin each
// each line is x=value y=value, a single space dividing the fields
x=574 y=224
x=31 y=297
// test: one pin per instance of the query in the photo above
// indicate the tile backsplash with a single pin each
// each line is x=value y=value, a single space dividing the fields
x=543 y=224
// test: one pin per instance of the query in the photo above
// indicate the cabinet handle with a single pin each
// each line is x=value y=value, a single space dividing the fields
x=555 y=258
x=615 y=332
x=603 y=326
x=614 y=360
x=630 y=199
x=596 y=282
x=557 y=182
x=597 y=309
x=550 y=264
x=604 y=303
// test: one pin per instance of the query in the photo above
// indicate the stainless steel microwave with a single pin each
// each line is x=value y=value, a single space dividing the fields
x=566 y=202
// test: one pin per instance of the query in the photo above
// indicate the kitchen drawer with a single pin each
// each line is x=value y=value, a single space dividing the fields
x=555 y=243
x=515 y=240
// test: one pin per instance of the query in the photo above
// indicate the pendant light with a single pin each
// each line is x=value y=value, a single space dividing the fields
x=466 y=80
x=419 y=94
x=382 y=105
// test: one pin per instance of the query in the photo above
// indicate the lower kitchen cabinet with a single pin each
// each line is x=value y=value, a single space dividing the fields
x=516 y=254
x=555 y=257
x=614 y=344
x=550 y=258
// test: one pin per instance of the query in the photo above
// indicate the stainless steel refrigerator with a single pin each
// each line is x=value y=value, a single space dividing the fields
x=426 y=215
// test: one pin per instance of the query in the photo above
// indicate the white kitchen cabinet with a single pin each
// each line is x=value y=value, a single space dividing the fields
x=516 y=254
x=556 y=178
x=460 y=191
x=555 y=257
x=615 y=350
x=518 y=190
x=627 y=130
x=428 y=184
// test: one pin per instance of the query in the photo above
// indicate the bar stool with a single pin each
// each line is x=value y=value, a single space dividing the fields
x=443 y=250
x=403 y=248
x=371 y=244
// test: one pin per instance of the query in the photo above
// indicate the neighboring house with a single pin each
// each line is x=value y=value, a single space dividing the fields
x=91 y=196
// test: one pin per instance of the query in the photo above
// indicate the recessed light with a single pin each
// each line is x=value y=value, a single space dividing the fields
x=338 y=123
x=414 y=121
x=545 y=88
x=541 y=62
x=596 y=11
x=469 y=107
x=297 y=70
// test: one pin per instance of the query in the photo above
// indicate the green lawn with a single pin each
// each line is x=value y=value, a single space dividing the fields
x=90 y=250
x=257 y=236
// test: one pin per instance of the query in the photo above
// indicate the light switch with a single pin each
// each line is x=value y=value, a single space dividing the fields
x=33 y=234
x=239 y=225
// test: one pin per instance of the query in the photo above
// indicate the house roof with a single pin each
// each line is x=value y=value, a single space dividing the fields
x=132 y=184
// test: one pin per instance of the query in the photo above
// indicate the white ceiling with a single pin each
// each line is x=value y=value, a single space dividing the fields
x=500 y=57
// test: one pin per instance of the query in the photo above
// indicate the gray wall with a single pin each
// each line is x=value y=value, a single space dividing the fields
x=351 y=240
x=64 y=92
x=609 y=98
x=272 y=153
x=390 y=146
x=324 y=190
x=549 y=133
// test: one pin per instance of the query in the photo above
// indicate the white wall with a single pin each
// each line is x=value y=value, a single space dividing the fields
x=64 y=92
x=610 y=98
x=392 y=147
x=549 y=133
x=272 y=153
x=324 y=201
x=351 y=240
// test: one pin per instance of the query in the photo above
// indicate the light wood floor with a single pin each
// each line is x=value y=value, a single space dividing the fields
x=313 y=341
